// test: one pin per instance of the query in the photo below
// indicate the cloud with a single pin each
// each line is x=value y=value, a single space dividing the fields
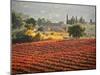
x=53 y=11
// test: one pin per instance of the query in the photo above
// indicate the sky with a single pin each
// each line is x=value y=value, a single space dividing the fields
x=53 y=11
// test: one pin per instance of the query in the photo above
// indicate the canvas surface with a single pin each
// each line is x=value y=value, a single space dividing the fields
x=51 y=37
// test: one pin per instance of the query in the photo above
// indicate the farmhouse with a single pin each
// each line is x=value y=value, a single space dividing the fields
x=55 y=31
x=57 y=27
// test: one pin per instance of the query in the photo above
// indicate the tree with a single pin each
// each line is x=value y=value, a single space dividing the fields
x=41 y=21
x=67 y=19
x=91 y=21
x=31 y=21
x=17 y=21
x=72 y=20
x=76 y=31
x=40 y=29
x=29 y=26
x=82 y=20
x=48 y=22
x=76 y=20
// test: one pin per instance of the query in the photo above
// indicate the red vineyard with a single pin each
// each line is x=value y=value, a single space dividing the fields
x=50 y=56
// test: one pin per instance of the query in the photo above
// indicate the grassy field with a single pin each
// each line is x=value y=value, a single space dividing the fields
x=50 y=56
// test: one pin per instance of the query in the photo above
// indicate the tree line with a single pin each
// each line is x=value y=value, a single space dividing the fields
x=75 y=20
x=30 y=23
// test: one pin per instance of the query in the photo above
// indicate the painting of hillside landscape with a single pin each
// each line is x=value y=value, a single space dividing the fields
x=52 y=37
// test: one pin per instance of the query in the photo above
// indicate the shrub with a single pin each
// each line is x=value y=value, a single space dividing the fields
x=37 y=37
x=76 y=31
x=20 y=36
